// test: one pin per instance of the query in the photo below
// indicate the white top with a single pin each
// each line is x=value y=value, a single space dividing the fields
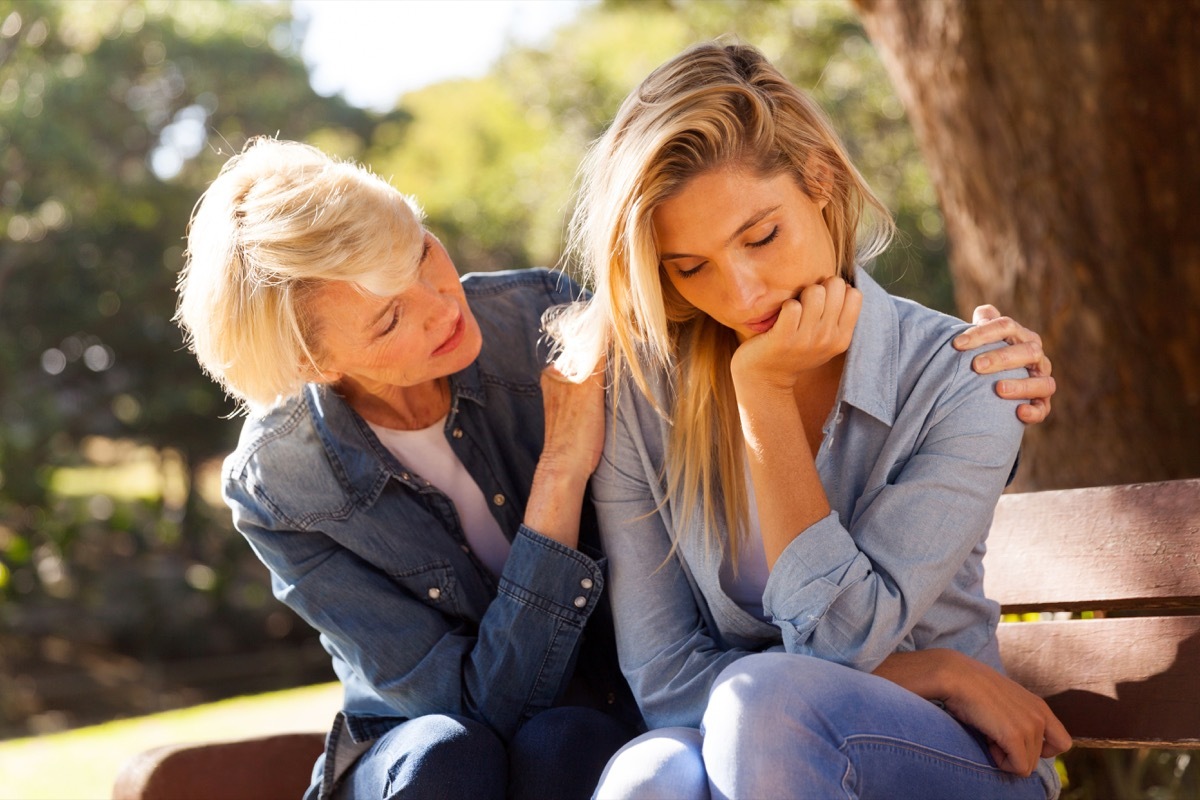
x=441 y=467
x=747 y=587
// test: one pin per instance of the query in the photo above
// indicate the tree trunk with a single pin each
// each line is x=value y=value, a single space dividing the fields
x=1063 y=137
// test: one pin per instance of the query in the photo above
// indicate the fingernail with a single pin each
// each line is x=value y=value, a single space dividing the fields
x=1005 y=387
x=983 y=362
x=960 y=340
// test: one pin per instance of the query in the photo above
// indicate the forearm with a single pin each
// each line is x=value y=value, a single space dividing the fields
x=788 y=490
x=932 y=674
x=556 y=502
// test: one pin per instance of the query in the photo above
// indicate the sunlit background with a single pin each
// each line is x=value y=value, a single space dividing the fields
x=123 y=588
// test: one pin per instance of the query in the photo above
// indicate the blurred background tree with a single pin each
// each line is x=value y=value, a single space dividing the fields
x=118 y=563
x=113 y=117
x=123 y=587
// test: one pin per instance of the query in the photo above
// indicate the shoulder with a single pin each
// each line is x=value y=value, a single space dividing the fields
x=538 y=288
x=510 y=307
x=934 y=373
x=282 y=473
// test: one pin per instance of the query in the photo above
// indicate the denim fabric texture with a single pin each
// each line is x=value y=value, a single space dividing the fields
x=916 y=450
x=822 y=731
x=373 y=556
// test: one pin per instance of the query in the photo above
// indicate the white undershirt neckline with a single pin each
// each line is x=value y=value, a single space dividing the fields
x=441 y=466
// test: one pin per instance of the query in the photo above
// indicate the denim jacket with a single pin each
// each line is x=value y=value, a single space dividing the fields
x=374 y=557
x=916 y=451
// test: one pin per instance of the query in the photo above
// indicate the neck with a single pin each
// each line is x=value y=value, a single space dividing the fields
x=405 y=408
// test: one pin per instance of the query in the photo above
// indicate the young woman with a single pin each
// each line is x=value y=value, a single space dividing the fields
x=802 y=471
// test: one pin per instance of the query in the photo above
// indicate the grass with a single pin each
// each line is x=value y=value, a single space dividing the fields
x=82 y=764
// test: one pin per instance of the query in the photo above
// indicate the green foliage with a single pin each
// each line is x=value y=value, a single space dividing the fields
x=113 y=118
x=494 y=159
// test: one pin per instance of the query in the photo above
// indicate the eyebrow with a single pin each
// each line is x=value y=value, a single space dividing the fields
x=745 y=226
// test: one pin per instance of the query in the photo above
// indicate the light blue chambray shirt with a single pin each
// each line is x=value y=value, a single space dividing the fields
x=916 y=451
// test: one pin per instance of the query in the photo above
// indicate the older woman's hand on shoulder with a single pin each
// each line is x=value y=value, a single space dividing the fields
x=1024 y=349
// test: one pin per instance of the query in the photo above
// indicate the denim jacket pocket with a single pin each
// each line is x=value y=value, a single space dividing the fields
x=434 y=584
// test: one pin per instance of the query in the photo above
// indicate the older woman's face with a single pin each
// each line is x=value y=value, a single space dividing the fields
x=421 y=334
x=736 y=245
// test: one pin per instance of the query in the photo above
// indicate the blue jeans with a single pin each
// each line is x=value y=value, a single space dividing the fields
x=557 y=755
x=781 y=726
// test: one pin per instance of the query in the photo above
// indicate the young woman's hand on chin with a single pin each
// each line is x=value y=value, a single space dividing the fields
x=809 y=332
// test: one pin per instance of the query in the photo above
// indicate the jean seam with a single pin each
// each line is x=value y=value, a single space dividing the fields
x=933 y=754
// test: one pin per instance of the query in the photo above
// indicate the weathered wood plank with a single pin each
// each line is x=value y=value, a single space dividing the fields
x=1127 y=682
x=266 y=768
x=1133 y=546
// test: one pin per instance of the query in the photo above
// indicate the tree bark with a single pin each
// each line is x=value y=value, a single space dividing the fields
x=1063 y=138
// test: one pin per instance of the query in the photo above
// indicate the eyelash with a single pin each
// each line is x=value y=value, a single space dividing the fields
x=770 y=237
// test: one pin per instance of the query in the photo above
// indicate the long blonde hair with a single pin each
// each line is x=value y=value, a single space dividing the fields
x=281 y=219
x=713 y=105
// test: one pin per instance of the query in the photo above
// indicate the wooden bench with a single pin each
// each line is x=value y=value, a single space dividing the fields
x=1127 y=677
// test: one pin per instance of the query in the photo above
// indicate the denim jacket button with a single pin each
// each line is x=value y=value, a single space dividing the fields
x=586 y=583
x=498 y=499
x=434 y=593
x=457 y=433
x=580 y=602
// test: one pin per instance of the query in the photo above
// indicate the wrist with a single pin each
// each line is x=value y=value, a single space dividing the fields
x=561 y=472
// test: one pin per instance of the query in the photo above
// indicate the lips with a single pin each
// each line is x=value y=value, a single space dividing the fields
x=452 y=341
x=763 y=324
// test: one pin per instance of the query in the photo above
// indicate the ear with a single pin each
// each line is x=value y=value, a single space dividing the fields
x=820 y=180
x=314 y=374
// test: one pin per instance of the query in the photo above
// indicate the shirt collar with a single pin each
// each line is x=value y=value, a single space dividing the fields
x=869 y=380
x=360 y=457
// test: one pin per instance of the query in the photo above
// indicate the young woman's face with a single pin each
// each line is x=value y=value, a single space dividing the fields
x=736 y=245
x=421 y=334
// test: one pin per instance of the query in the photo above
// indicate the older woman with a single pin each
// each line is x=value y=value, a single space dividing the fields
x=414 y=480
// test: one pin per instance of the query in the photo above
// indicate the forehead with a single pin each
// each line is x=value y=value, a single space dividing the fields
x=715 y=203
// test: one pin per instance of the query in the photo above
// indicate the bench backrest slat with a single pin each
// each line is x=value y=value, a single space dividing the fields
x=1134 y=546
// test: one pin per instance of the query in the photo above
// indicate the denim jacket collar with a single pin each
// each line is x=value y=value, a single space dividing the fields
x=347 y=438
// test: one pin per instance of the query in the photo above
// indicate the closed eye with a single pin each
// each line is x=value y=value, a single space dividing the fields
x=766 y=240
x=392 y=325
x=687 y=273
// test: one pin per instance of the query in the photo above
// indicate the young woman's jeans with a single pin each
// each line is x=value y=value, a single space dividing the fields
x=557 y=755
x=787 y=726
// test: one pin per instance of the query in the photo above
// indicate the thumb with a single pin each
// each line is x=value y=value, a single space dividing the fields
x=984 y=313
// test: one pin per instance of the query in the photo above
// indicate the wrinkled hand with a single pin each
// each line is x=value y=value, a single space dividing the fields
x=1018 y=724
x=574 y=423
x=808 y=333
x=1024 y=350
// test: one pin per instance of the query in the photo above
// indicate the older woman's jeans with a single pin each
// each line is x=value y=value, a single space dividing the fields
x=557 y=755
x=787 y=726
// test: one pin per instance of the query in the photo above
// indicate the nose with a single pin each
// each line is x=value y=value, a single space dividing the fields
x=744 y=285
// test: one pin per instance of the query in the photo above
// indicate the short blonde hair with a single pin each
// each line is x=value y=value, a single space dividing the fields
x=281 y=219
x=714 y=105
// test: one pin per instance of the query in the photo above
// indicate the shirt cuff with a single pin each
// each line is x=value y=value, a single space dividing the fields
x=552 y=577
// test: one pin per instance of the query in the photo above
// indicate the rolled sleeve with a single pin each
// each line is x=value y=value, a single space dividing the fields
x=810 y=574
